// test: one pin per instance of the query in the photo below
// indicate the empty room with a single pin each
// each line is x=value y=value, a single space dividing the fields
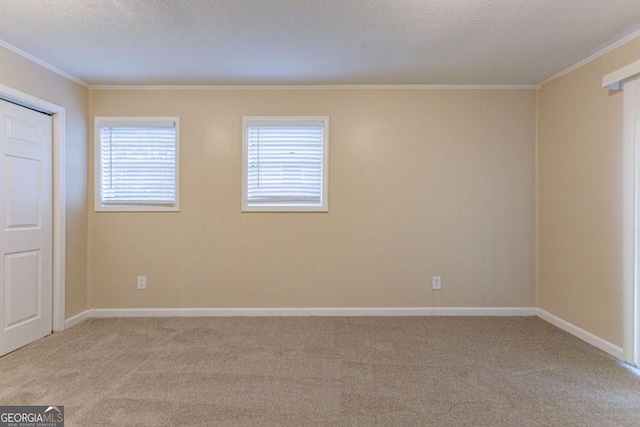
x=320 y=213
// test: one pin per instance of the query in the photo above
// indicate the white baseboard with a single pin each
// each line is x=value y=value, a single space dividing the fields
x=592 y=339
x=78 y=318
x=482 y=311
x=303 y=312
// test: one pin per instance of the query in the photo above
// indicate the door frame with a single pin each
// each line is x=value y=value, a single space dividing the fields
x=59 y=195
x=627 y=80
x=631 y=220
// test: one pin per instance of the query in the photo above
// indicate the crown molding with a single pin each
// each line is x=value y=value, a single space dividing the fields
x=42 y=63
x=74 y=79
x=593 y=57
x=312 y=87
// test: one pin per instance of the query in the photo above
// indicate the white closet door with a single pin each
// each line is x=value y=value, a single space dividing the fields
x=25 y=226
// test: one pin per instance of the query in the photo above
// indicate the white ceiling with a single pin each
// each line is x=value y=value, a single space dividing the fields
x=308 y=42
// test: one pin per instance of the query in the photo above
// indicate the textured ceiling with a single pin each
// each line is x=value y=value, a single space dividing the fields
x=237 y=42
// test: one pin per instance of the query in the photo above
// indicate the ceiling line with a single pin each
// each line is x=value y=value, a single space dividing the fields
x=593 y=57
x=74 y=79
x=312 y=87
x=42 y=63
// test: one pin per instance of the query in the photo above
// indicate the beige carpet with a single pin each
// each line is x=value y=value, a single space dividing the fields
x=418 y=371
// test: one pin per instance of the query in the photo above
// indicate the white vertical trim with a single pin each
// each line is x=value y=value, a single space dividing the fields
x=536 y=207
x=630 y=210
x=628 y=218
x=628 y=79
x=59 y=195
x=59 y=219
x=631 y=218
x=630 y=215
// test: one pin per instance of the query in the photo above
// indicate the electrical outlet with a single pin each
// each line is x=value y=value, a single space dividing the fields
x=142 y=282
x=436 y=282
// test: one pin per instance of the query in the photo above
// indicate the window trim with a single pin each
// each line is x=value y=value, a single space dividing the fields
x=291 y=121
x=102 y=121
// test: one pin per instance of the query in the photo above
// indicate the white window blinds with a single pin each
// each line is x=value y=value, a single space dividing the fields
x=138 y=163
x=285 y=162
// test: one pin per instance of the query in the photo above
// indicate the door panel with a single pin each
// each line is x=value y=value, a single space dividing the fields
x=22 y=282
x=23 y=179
x=25 y=226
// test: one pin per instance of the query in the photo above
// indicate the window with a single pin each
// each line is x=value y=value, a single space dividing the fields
x=285 y=164
x=137 y=164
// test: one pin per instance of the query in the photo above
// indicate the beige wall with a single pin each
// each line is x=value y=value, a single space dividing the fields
x=26 y=76
x=422 y=183
x=579 y=157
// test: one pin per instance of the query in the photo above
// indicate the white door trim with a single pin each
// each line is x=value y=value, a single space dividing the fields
x=631 y=220
x=59 y=195
x=627 y=79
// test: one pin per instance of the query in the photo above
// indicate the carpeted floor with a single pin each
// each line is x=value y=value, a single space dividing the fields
x=394 y=371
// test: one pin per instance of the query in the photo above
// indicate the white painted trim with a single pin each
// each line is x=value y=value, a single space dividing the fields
x=42 y=63
x=631 y=220
x=59 y=194
x=320 y=311
x=588 y=337
x=482 y=311
x=593 y=57
x=536 y=183
x=628 y=79
x=614 y=80
x=78 y=318
x=30 y=101
x=59 y=218
x=313 y=87
x=316 y=87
